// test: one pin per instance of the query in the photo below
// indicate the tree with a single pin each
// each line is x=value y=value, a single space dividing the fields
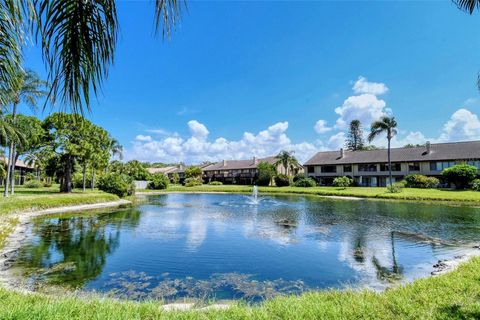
x=136 y=170
x=193 y=172
x=77 y=39
x=65 y=136
x=27 y=88
x=388 y=126
x=265 y=173
x=354 y=139
x=287 y=160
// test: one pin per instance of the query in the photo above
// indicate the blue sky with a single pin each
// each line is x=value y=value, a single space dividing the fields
x=232 y=70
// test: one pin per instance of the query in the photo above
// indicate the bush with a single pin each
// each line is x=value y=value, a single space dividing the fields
x=33 y=184
x=342 y=182
x=120 y=184
x=305 y=183
x=421 y=181
x=215 y=183
x=192 y=182
x=475 y=185
x=266 y=172
x=396 y=187
x=461 y=175
x=175 y=178
x=193 y=172
x=298 y=176
x=47 y=184
x=159 y=182
x=30 y=176
x=77 y=180
x=282 y=180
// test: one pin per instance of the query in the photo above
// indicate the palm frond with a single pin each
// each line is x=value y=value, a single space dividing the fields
x=78 y=40
x=467 y=5
x=167 y=15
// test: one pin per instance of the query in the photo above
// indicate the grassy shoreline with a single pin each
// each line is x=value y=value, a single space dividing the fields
x=451 y=296
x=464 y=197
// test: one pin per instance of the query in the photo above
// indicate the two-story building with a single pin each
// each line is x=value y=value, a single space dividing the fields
x=241 y=171
x=370 y=168
x=21 y=170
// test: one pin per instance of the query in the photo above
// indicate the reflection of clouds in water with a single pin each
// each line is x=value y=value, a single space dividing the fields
x=150 y=227
x=197 y=230
x=267 y=229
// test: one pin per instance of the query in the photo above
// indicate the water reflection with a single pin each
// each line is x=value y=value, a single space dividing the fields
x=220 y=246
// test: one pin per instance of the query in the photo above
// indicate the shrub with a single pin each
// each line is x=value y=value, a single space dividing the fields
x=77 y=180
x=120 y=184
x=47 y=184
x=33 y=184
x=342 y=182
x=421 y=181
x=475 y=185
x=282 y=180
x=461 y=175
x=298 y=176
x=396 y=187
x=192 y=182
x=30 y=176
x=305 y=183
x=266 y=172
x=215 y=183
x=175 y=178
x=159 y=181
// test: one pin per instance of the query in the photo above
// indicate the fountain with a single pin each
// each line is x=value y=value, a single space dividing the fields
x=255 y=193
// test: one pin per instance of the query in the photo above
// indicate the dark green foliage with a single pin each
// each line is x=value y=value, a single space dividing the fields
x=33 y=184
x=135 y=170
x=192 y=182
x=461 y=175
x=298 y=176
x=342 y=182
x=305 y=183
x=119 y=184
x=266 y=172
x=282 y=180
x=175 y=178
x=78 y=180
x=215 y=183
x=421 y=181
x=193 y=172
x=159 y=182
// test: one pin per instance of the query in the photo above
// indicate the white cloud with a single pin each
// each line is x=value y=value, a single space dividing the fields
x=321 y=127
x=198 y=147
x=362 y=85
x=365 y=107
x=143 y=138
x=462 y=125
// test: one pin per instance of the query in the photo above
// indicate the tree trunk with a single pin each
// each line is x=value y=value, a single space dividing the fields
x=66 y=185
x=93 y=179
x=11 y=163
x=389 y=161
x=9 y=172
x=12 y=183
x=84 y=177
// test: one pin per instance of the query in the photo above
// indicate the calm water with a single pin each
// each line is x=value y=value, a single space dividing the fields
x=230 y=247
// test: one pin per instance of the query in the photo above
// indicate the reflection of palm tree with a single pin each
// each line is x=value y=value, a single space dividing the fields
x=383 y=273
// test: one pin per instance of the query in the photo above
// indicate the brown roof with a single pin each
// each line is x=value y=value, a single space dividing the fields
x=238 y=164
x=438 y=151
x=163 y=170
x=19 y=163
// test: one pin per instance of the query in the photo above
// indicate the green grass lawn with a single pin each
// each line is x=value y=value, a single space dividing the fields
x=452 y=296
x=461 y=196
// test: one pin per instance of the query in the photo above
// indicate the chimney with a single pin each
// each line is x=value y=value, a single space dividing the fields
x=341 y=153
x=224 y=163
x=255 y=160
x=428 y=147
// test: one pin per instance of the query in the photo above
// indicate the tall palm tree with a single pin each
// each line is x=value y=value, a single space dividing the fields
x=286 y=159
x=28 y=88
x=77 y=39
x=388 y=126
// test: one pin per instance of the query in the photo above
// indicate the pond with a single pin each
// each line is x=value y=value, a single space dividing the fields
x=229 y=246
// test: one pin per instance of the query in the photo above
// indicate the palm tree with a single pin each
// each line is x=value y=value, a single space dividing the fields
x=27 y=89
x=286 y=159
x=386 y=125
x=77 y=39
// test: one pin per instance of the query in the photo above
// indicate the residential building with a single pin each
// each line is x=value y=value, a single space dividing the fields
x=21 y=170
x=240 y=171
x=370 y=168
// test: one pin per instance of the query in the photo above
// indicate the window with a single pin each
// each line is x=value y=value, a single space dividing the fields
x=440 y=165
x=311 y=169
x=367 y=167
x=328 y=169
x=347 y=168
x=475 y=163
x=395 y=167
x=414 y=166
